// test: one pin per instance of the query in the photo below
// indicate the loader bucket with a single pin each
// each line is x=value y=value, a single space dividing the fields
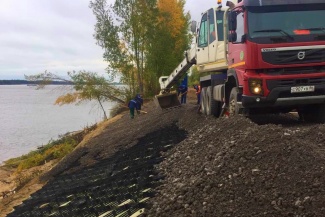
x=167 y=100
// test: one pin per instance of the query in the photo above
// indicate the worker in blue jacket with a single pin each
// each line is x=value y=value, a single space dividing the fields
x=133 y=105
x=139 y=100
x=182 y=90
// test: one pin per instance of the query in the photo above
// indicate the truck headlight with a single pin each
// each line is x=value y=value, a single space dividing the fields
x=256 y=86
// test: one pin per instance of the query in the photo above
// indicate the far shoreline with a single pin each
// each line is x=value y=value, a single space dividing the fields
x=35 y=83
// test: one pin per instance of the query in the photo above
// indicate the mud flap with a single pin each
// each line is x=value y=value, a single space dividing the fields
x=167 y=101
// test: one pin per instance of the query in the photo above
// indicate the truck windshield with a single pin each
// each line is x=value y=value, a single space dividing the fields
x=286 y=23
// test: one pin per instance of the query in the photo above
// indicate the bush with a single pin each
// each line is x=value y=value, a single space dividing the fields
x=35 y=160
x=58 y=151
x=53 y=150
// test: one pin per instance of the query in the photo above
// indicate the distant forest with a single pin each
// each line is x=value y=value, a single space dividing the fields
x=25 y=82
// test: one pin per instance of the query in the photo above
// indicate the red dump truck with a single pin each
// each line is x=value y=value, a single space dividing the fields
x=258 y=56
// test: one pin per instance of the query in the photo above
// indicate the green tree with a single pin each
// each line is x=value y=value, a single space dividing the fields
x=142 y=39
x=121 y=30
x=194 y=78
x=169 y=40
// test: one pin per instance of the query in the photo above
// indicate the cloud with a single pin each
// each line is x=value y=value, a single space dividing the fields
x=197 y=7
x=38 y=35
x=55 y=35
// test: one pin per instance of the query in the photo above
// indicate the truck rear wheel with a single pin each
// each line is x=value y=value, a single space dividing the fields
x=213 y=106
x=314 y=113
x=203 y=101
x=233 y=105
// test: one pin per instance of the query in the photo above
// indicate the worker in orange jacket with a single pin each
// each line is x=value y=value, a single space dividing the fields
x=198 y=93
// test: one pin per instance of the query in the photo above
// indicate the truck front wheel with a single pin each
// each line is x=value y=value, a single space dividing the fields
x=233 y=105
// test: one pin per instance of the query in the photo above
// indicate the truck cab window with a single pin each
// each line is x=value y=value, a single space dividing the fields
x=203 y=36
x=219 y=16
x=212 y=31
x=240 y=27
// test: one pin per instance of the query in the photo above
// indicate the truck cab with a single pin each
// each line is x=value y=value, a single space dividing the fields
x=275 y=53
x=277 y=49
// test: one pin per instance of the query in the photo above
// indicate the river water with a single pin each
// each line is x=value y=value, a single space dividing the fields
x=29 y=118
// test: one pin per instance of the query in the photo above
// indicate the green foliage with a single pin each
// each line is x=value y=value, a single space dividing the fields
x=87 y=86
x=194 y=79
x=34 y=160
x=168 y=42
x=14 y=162
x=142 y=40
x=58 y=151
x=53 y=150
x=123 y=39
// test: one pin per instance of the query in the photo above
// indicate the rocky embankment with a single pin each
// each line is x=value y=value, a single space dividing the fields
x=180 y=163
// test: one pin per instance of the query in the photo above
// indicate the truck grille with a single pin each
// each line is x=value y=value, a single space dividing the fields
x=294 y=56
x=295 y=70
x=271 y=84
x=287 y=94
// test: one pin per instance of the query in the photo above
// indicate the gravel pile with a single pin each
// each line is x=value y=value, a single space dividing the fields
x=234 y=167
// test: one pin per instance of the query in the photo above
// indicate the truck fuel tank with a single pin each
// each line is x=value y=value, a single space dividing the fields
x=167 y=100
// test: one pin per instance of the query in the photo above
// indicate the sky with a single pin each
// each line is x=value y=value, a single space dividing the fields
x=55 y=35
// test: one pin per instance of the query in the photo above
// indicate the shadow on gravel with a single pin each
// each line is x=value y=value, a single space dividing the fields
x=117 y=186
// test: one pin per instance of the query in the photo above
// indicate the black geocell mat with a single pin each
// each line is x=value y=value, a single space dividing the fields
x=116 y=186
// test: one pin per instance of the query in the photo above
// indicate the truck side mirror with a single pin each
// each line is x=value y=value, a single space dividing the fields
x=232 y=21
x=232 y=36
x=193 y=26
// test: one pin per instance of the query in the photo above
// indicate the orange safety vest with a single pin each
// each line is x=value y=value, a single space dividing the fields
x=198 y=91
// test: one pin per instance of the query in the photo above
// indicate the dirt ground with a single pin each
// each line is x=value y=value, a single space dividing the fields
x=264 y=166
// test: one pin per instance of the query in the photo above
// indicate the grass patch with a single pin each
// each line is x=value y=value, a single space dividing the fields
x=53 y=150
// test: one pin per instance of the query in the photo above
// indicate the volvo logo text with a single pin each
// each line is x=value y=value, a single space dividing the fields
x=301 y=55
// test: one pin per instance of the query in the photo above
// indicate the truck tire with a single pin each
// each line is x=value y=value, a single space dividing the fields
x=203 y=100
x=213 y=106
x=314 y=114
x=233 y=106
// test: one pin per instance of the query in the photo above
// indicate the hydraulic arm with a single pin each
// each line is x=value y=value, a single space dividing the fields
x=167 y=99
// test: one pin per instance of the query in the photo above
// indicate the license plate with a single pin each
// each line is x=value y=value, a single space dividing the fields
x=302 y=89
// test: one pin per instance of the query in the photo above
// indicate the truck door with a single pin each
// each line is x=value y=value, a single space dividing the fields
x=220 y=35
x=202 y=45
x=237 y=48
